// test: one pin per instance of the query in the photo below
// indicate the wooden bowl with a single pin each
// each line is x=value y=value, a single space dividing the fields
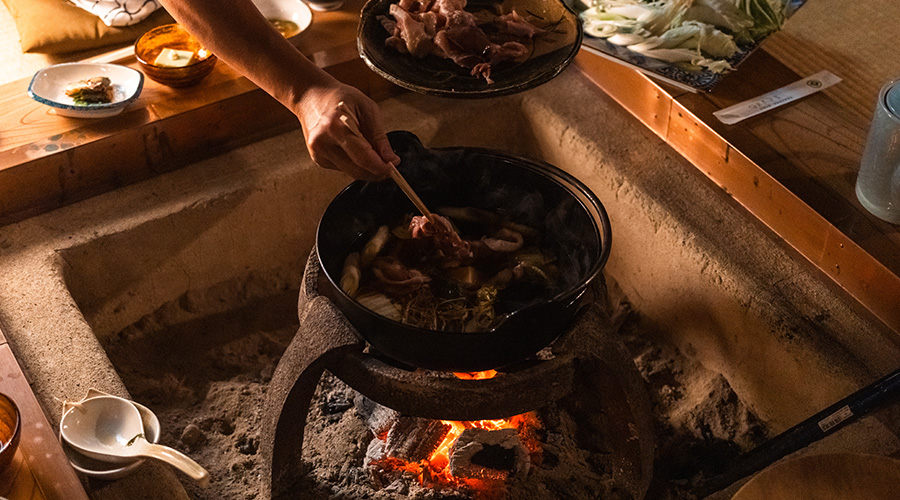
x=10 y=430
x=172 y=36
x=837 y=476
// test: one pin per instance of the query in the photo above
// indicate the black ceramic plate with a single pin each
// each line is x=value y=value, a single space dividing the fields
x=442 y=77
x=668 y=72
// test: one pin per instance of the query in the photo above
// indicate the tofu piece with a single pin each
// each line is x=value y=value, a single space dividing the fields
x=173 y=58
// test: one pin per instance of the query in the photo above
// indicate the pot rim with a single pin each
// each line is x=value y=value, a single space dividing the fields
x=585 y=197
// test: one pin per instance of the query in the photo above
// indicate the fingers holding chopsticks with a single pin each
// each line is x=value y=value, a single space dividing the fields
x=364 y=155
x=364 y=121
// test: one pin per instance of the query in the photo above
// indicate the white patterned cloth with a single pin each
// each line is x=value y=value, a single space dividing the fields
x=119 y=12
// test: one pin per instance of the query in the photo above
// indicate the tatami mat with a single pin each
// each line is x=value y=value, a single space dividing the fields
x=858 y=41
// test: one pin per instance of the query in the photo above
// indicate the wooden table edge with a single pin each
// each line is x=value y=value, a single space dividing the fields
x=40 y=454
x=849 y=266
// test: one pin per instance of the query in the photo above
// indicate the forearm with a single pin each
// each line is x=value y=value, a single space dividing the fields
x=238 y=34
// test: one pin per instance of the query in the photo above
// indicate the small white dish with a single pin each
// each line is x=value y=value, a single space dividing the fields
x=48 y=86
x=111 y=429
x=107 y=470
x=295 y=11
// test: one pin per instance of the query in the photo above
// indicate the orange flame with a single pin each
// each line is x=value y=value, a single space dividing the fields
x=441 y=456
x=476 y=375
x=525 y=423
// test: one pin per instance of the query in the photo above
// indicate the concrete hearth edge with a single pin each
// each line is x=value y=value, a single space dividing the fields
x=716 y=282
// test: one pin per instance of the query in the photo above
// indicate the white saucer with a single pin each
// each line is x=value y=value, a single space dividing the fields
x=106 y=470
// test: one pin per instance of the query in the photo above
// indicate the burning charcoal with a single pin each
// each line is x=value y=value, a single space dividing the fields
x=336 y=403
x=385 y=472
x=345 y=474
x=414 y=439
x=484 y=454
x=378 y=418
x=374 y=452
x=399 y=487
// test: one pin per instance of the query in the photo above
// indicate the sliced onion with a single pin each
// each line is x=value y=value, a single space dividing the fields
x=627 y=39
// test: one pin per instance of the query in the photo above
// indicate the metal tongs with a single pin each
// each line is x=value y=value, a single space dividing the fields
x=350 y=121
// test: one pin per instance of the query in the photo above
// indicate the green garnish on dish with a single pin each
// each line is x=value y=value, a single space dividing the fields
x=96 y=90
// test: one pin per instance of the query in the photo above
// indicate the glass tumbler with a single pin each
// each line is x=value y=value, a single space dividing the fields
x=878 y=183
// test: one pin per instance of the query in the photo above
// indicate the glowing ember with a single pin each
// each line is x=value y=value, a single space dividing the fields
x=434 y=471
x=441 y=456
x=477 y=375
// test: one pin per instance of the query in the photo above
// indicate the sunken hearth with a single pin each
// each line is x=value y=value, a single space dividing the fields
x=585 y=361
x=582 y=424
x=138 y=272
x=470 y=435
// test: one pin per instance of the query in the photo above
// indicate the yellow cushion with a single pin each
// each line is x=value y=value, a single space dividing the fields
x=57 y=27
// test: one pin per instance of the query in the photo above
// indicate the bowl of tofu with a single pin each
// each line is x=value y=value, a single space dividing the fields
x=170 y=55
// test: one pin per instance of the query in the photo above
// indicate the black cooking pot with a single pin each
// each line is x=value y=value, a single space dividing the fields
x=573 y=222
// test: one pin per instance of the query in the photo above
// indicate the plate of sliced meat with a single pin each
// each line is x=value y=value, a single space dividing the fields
x=468 y=48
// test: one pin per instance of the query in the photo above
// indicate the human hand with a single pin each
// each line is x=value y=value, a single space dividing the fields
x=332 y=144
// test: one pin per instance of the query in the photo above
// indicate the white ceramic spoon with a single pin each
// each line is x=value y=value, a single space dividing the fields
x=110 y=428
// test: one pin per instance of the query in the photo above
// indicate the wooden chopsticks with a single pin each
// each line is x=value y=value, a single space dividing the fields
x=348 y=118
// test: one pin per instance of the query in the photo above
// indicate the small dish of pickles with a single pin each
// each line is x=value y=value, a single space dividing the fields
x=290 y=17
x=86 y=90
